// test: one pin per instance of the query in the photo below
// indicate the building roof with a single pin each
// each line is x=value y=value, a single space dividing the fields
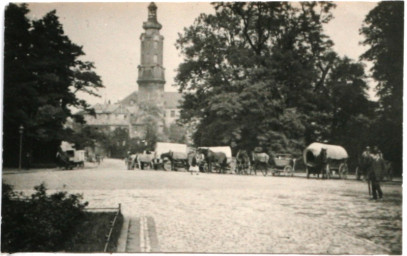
x=128 y=100
x=171 y=99
x=109 y=108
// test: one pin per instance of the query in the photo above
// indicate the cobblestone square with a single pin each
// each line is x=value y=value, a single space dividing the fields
x=213 y=213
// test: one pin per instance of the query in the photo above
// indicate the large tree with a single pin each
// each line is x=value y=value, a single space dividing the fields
x=43 y=70
x=351 y=114
x=383 y=29
x=262 y=73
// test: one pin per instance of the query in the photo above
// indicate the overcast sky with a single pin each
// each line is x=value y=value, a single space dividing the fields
x=110 y=36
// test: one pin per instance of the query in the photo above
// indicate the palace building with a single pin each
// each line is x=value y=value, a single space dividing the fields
x=129 y=113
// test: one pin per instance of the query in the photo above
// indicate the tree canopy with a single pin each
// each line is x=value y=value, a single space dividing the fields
x=265 y=74
x=43 y=71
x=383 y=29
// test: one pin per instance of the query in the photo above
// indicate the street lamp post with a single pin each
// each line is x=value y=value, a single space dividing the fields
x=20 y=130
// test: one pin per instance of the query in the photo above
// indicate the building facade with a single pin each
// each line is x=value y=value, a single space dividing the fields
x=129 y=113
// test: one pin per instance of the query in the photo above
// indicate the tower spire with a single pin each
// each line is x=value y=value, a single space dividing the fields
x=151 y=71
x=152 y=22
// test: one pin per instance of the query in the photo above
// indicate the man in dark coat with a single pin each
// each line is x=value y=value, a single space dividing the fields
x=376 y=170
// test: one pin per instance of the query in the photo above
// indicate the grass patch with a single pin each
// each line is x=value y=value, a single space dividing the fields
x=90 y=235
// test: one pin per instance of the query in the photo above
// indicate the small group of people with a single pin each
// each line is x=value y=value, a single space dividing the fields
x=373 y=166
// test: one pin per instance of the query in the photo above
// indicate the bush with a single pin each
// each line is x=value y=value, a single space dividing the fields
x=39 y=223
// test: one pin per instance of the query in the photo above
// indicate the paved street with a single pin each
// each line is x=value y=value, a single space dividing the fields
x=237 y=214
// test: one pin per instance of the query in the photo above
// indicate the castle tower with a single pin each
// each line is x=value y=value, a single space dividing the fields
x=151 y=71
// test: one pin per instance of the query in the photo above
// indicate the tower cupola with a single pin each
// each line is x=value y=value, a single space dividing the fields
x=152 y=22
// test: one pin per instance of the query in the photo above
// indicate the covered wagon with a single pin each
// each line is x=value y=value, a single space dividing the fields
x=171 y=155
x=68 y=157
x=336 y=158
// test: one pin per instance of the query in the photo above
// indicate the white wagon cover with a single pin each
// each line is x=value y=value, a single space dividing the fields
x=333 y=151
x=165 y=147
x=66 y=146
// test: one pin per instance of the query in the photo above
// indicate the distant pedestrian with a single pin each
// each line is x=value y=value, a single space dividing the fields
x=376 y=171
x=28 y=161
x=194 y=159
x=364 y=163
x=97 y=158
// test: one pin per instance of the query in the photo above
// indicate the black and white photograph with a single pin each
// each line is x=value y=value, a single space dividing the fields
x=262 y=127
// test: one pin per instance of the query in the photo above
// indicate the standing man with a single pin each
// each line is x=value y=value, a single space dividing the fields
x=376 y=171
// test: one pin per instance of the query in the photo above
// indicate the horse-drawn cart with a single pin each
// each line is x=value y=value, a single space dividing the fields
x=68 y=157
x=219 y=159
x=171 y=156
x=326 y=159
x=283 y=163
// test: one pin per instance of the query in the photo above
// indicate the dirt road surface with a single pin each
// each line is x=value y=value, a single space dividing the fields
x=213 y=213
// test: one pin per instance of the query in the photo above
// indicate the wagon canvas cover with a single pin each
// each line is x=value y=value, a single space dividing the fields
x=165 y=147
x=334 y=152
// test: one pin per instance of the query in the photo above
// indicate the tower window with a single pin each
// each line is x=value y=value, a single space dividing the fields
x=172 y=113
x=155 y=44
x=155 y=58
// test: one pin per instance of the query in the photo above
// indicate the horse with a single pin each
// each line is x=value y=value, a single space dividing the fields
x=146 y=158
x=260 y=161
x=211 y=157
x=131 y=161
x=321 y=165
x=194 y=162
x=242 y=162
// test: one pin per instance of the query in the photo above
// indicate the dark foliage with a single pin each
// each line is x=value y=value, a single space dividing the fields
x=384 y=32
x=40 y=223
x=42 y=74
x=265 y=74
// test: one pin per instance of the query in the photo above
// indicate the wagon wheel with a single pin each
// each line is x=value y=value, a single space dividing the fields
x=288 y=170
x=167 y=165
x=238 y=168
x=205 y=167
x=245 y=170
x=343 y=171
